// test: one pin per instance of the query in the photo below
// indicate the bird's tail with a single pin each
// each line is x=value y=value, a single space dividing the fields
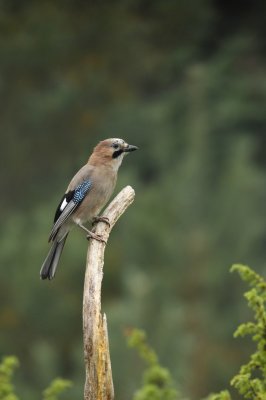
x=50 y=263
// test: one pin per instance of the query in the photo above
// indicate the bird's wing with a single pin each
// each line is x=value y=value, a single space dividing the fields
x=68 y=204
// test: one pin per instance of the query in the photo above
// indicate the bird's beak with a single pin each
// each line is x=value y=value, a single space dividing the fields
x=129 y=147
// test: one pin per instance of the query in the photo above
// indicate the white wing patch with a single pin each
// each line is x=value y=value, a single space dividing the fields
x=63 y=205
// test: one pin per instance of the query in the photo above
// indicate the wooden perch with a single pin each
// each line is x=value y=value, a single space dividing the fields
x=99 y=382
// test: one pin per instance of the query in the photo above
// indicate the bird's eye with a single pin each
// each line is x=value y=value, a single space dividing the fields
x=115 y=146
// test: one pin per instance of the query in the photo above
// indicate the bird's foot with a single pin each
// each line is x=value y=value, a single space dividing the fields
x=92 y=235
x=101 y=219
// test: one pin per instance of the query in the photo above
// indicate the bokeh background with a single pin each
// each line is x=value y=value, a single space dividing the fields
x=185 y=80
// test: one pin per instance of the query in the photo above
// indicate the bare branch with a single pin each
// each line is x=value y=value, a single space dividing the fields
x=99 y=382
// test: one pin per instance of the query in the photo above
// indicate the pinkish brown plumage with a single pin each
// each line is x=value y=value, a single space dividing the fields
x=87 y=193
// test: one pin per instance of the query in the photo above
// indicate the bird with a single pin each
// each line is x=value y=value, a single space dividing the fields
x=87 y=193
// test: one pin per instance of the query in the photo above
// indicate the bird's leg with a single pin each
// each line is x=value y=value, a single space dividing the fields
x=100 y=219
x=91 y=235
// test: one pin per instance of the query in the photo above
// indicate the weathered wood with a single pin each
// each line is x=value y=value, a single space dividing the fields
x=99 y=382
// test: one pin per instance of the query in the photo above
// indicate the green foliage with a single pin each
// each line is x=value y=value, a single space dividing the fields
x=137 y=339
x=7 y=368
x=157 y=381
x=250 y=382
x=57 y=387
x=224 y=395
x=251 y=379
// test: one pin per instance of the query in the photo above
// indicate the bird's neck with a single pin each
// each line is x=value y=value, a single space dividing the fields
x=98 y=160
x=101 y=161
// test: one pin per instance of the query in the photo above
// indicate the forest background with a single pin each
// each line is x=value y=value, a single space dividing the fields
x=186 y=82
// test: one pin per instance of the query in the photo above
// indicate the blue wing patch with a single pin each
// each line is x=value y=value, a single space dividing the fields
x=69 y=203
x=81 y=191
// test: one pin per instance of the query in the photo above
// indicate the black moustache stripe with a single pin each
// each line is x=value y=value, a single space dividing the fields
x=117 y=153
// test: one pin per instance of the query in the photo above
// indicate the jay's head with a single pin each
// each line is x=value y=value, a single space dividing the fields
x=111 y=151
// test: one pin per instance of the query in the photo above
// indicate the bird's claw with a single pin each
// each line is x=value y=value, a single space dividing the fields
x=101 y=219
x=92 y=235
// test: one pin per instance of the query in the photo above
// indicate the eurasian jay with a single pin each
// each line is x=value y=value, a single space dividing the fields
x=88 y=192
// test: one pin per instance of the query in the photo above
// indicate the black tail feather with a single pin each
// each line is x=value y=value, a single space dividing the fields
x=49 y=266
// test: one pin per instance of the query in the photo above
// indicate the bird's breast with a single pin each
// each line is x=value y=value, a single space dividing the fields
x=96 y=199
